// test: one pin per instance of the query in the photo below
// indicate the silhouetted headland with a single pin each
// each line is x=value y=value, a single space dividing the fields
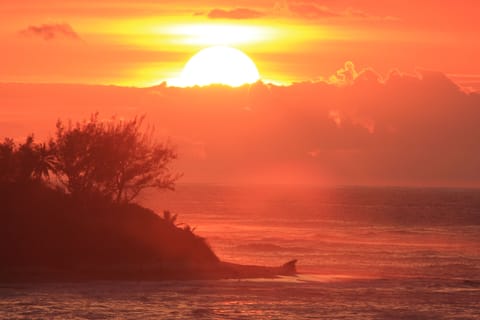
x=46 y=235
x=66 y=212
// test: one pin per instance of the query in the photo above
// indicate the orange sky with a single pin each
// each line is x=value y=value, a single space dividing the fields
x=354 y=92
x=141 y=43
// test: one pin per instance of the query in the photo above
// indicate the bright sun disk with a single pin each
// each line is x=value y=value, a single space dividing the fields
x=219 y=65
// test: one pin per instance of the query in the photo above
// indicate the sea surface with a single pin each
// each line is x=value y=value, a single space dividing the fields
x=363 y=253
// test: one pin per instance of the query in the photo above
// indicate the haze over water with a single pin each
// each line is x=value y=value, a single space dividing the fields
x=349 y=231
x=364 y=253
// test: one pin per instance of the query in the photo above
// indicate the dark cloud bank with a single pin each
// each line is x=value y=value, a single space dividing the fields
x=356 y=129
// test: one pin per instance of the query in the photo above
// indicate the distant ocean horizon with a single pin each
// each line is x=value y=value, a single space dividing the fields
x=363 y=253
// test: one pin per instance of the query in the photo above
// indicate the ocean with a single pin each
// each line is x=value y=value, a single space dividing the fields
x=363 y=253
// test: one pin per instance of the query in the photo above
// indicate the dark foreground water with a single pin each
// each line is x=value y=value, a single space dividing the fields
x=364 y=253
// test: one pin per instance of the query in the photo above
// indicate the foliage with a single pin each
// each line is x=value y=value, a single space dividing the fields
x=114 y=159
x=91 y=226
x=169 y=218
x=26 y=162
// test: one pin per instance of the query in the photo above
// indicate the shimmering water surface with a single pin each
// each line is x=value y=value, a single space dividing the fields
x=364 y=253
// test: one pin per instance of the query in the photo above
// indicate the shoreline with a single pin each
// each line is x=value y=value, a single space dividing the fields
x=220 y=271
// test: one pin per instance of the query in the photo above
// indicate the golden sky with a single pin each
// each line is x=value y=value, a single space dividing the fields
x=353 y=92
x=141 y=43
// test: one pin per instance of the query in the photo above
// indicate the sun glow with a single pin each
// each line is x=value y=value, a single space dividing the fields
x=218 y=65
x=216 y=34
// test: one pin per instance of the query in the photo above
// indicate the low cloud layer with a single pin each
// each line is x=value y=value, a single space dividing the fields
x=313 y=10
x=50 y=31
x=310 y=10
x=236 y=14
x=304 y=9
x=356 y=127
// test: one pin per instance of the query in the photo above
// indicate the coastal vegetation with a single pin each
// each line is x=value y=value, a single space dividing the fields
x=67 y=210
x=67 y=205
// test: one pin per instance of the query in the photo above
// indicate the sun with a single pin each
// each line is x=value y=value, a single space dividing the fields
x=219 y=65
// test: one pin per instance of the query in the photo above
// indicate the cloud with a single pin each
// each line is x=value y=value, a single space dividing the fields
x=363 y=15
x=348 y=75
x=399 y=129
x=236 y=14
x=51 y=31
x=362 y=128
x=311 y=9
x=345 y=75
x=303 y=9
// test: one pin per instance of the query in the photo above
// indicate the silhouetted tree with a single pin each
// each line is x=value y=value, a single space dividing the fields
x=44 y=161
x=26 y=162
x=35 y=160
x=114 y=159
x=7 y=161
